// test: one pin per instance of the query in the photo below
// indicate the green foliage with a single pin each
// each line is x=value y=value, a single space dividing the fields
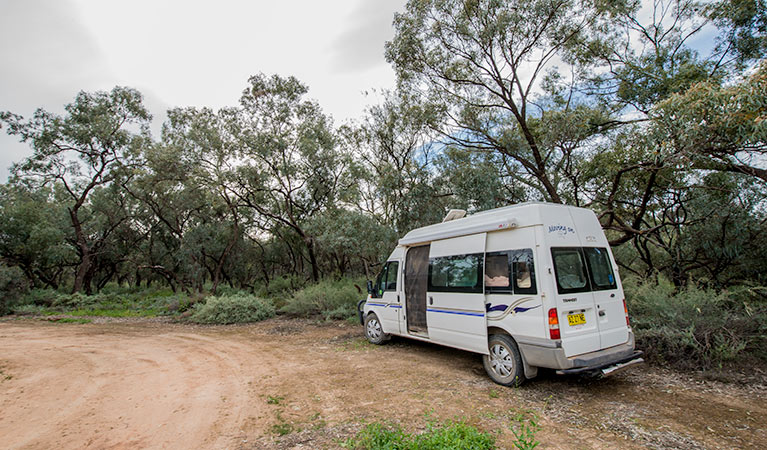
x=238 y=308
x=12 y=288
x=451 y=435
x=696 y=327
x=524 y=426
x=331 y=299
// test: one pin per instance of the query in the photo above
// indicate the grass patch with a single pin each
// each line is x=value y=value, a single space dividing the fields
x=72 y=320
x=450 y=435
x=274 y=400
x=97 y=312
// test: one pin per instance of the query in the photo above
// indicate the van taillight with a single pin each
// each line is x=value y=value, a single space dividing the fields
x=626 y=310
x=553 y=324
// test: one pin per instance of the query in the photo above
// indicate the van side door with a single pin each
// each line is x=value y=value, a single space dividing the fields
x=455 y=312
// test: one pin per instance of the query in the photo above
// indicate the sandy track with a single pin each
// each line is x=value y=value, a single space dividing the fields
x=286 y=384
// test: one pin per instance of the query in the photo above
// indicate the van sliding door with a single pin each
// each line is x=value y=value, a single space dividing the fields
x=416 y=279
x=455 y=312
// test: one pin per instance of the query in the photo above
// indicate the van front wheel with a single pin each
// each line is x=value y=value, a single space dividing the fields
x=374 y=331
x=504 y=363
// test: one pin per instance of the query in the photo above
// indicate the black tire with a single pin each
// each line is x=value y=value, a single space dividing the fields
x=504 y=363
x=374 y=331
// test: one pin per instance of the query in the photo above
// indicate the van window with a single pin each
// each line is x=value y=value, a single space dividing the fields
x=600 y=269
x=460 y=273
x=391 y=276
x=524 y=271
x=570 y=270
x=497 y=273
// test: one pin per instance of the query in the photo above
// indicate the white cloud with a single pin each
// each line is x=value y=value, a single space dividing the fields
x=188 y=53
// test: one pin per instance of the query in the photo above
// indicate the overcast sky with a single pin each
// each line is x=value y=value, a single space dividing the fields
x=188 y=53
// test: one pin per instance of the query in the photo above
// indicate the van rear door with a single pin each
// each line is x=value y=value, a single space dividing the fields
x=577 y=314
x=455 y=312
x=608 y=298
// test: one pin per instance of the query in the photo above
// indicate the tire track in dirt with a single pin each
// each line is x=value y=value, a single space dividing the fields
x=149 y=385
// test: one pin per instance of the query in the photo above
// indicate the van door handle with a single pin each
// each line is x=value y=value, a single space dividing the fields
x=431 y=300
x=398 y=299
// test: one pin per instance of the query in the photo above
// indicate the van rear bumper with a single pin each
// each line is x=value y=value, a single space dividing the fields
x=551 y=355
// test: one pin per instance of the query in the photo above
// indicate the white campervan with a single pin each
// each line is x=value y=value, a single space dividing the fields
x=527 y=286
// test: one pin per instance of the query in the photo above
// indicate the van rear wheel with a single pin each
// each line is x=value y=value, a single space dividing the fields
x=374 y=331
x=504 y=363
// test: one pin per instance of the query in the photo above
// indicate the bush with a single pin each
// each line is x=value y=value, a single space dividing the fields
x=232 y=309
x=452 y=435
x=332 y=299
x=695 y=327
x=13 y=286
x=41 y=297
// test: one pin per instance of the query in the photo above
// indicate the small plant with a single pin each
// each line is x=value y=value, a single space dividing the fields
x=524 y=426
x=274 y=400
x=238 y=308
x=282 y=429
x=494 y=393
x=450 y=435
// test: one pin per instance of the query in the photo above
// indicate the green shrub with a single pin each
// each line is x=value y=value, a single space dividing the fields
x=41 y=297
x=13 y=286
x=332 y=299
x=452 y=435
x=695 y=327
x=232 y=309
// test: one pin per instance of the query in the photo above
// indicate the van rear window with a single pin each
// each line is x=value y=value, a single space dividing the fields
x=582 y=269
x=600 y=269
x=570 y=270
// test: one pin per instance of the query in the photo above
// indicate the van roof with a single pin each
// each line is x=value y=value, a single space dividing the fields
x=514 y=216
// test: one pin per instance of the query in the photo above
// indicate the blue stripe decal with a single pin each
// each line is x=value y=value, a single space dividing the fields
x=520 y=309
x=491 y=308
x=460 y=313
x=384 y=305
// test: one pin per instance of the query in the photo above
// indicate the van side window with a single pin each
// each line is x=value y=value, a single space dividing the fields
x=391 y=276
x=460 y=273
x=600 y=269
x=570 y=270
x=497 y=273
x=524 y=271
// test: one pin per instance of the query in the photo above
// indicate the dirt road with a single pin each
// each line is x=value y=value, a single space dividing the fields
x=294 y=384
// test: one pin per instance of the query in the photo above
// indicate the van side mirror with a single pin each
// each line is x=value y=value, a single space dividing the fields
x=370 y=287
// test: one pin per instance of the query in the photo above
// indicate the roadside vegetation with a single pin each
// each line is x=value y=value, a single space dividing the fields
x=268 y=207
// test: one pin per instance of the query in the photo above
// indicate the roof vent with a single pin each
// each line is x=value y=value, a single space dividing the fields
x=454 y=214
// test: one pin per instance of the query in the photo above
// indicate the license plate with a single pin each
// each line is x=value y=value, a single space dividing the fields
x=576 y=319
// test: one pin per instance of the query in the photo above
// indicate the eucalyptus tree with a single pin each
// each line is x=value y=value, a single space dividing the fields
x=34 y=233
x=290 y=166
x=483 y=61
x=86 y=148
x=396 y=150
x=203 y=137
